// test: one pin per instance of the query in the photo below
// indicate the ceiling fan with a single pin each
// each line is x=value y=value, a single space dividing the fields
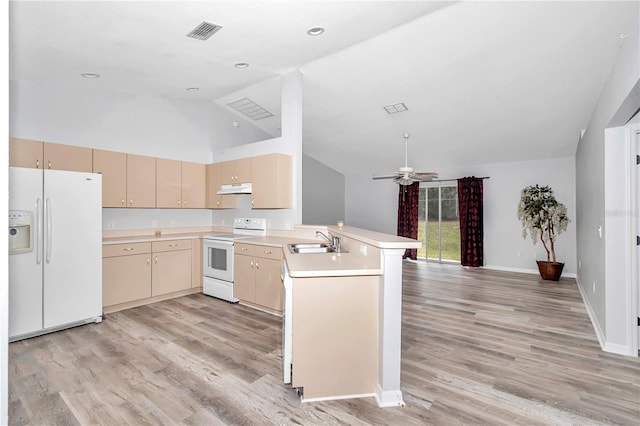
x=405 y=175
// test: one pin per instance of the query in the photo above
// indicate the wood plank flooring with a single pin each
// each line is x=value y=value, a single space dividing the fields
x=478 y=347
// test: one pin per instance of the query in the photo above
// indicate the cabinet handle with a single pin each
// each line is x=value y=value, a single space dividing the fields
x=131 y=202
x=127 y=249
x=37 y=163
x=218 y=202
x=173 y=245
x=179 y=203
x=267 y=252
x=257 y=264
x=244 y=249
x=49 y=163
x=252 y=263
x=156 y=260
x=122 y=201
x=148 y=260
x=252 y=202
x=184 y=203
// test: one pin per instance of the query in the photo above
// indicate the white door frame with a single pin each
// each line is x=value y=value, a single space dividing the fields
x=633 y=286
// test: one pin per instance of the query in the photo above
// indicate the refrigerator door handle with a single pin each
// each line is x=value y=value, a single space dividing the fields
x=37 y=235
x=47 y=225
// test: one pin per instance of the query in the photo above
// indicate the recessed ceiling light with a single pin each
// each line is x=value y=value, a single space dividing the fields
x=90 y=75
x=192 y=89
x=241 y=65
x=315 y=31
x=624 y=35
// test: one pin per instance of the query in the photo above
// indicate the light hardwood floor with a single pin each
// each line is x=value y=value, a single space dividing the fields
x=478 y=347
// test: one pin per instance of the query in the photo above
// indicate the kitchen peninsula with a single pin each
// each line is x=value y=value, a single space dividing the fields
x=343 y=318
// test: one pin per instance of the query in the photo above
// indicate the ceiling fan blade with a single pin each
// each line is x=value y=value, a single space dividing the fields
x=425 y=175
x=387 y=176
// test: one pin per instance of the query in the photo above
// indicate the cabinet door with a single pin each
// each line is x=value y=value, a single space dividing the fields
x=113 y=168
x=268 y=283
x=168 y=184
x=25 y=153
x=67 y=157
x=126 y=278
x=243 y=170
x=244 y=278
x=193 y=185
x=215 y=201
x=272 y=185
x=235 y=171
x=141 y=181
x=171 y=272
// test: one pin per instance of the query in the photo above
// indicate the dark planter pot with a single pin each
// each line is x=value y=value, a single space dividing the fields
x=550 y=270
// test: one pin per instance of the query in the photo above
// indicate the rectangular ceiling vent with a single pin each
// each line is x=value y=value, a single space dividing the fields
x=250 y=109
x=204 y=31
x=395 y=108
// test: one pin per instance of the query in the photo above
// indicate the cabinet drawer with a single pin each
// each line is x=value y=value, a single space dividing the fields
x=113 y=250
x=245 y=249
x=170 y=245
x=268 y=252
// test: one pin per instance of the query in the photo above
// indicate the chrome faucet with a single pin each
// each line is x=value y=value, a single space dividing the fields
x=334 y=240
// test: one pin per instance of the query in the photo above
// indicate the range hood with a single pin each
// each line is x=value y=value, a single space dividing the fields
x=236 y=188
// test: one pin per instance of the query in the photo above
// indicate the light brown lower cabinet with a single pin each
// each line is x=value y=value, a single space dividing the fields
x=135 y=273
x=126 y=273
x=171 y=266
x=257 y=276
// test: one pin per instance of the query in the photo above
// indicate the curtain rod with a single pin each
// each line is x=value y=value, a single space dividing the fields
x=451 y=180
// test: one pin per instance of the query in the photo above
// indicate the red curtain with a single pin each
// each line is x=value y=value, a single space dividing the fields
x=470 y=212
x=408 y=215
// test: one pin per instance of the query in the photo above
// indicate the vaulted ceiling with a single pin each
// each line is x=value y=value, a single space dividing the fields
x=483 y=81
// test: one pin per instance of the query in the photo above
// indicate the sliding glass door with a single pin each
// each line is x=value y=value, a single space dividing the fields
x=438 y=226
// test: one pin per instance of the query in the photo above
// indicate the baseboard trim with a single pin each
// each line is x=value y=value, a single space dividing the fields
x=525 y=270
x=592 y=316
x=334 y=398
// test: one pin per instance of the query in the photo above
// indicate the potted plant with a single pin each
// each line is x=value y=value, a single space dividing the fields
x=543 y=217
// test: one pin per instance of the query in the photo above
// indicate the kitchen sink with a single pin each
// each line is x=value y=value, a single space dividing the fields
x=309 y=248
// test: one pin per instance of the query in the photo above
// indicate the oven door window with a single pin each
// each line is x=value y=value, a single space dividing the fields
x=218 y=258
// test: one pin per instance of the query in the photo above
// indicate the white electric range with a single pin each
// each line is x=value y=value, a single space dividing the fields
x=217 y=256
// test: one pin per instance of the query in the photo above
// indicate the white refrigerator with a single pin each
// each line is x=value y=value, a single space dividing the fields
x=55 y=277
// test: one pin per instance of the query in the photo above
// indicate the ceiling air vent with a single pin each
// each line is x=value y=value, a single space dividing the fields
x=204 y=31
x=250 y=109
x=395 y=108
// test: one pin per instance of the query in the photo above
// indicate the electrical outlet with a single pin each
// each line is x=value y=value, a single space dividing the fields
x=110 y=225
x=172 y=224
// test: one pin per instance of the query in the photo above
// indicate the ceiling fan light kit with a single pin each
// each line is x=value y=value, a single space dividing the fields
x=405 y=175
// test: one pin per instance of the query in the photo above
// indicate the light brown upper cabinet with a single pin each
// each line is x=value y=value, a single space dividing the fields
x=235 y=171
x=44 y=155
x=25 y=153
x=193 y=185
x=67 y=157
x=272 y=186
x=113 y=168
x=168 y=183
x=180 y=184
x=215 y=201
x=141 y=181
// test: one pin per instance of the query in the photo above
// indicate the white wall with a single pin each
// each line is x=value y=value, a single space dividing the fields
x=323 y=191
x=591 y=186
x=373 y=205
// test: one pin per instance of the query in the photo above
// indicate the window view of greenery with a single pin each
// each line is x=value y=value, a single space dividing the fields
x=438 y=226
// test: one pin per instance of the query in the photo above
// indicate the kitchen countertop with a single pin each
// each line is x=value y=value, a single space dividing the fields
x=302 y=265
